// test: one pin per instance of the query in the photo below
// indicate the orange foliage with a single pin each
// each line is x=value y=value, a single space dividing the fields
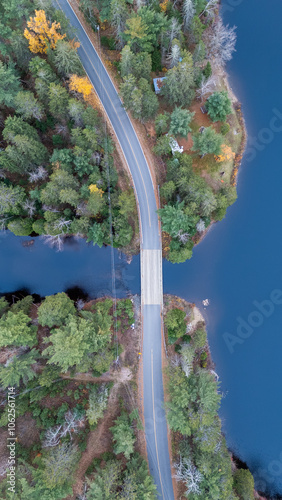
x=94 y=101
x=80 y=84
x=94 y=189
x=74 y=44
x=164 y=5
x=226 y=154
x=42 y=33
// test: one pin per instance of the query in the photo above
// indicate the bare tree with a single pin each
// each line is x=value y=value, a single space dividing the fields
x=81 y=208
x=207 y=87
x=140 y=3
x=174 y=54
x=187 y=356
x=4 y=222
x=38 y=174
x=183 y=237
x=174 y=31
x=82 y=495
x=189 y=474
x=62 y=224
x=63 y=130
x=118 y=19
x=175 y=361
x=220 y=41
x=200 y=226
x=54 y=241
x=48 y=208
x=80 y=304
x=73 y=422
x=29 y=207
x=188 y=11
x=210 y=9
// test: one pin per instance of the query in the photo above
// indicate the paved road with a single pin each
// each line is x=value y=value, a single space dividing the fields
x=151 y=259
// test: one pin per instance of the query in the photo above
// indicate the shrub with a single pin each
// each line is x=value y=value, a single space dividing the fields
x=224 y=129
x=177 y=348
x=186 y=339
x=57 y=140
x=244 y=484
x=108 y=42
x=207 y=72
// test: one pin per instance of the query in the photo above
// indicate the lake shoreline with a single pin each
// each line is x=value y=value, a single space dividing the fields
x=197 y=321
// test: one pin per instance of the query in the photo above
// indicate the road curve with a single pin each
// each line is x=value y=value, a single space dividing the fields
x=151 y=258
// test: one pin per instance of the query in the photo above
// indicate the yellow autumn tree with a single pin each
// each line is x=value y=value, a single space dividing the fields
x=42 y=33
x=164 y=5
x=80 y=84
x=94 y=189
x=226 y=154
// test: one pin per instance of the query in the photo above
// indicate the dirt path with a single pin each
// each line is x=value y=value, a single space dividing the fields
x=99 y=441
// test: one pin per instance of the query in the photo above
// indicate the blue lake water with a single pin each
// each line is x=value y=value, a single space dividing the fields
x=239 y=261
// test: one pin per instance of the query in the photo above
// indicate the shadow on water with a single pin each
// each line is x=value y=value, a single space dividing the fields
x=42 y=270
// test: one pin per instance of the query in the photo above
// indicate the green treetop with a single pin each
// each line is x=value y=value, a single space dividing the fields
x=207 y=142
x=55 y=309
x=219 y=106
x=15 y=329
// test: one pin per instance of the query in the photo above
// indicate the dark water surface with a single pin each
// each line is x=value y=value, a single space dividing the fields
x=237 y=264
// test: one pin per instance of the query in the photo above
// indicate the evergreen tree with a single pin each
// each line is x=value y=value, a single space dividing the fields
x=9 y=85
x=179 y=122
x=20 y=226
x=98 y=400
x=11 y=199
x=161 y=123
x=123 y=435
x=118 y=16
x=28 y=106
x=58 y=465
x=139 y=98
x=244 y=484
x=58 y=100
x=207 y=142
x=179 y=82
x=18 y=369
x=66 y=59
x=55 y=309
x=219 y=106
x=15 y=329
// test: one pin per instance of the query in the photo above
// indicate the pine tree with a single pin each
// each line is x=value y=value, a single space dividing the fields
x=123 y=435
x=58 y=100
x=207 y=142
x=9 y=85
x=18 y=369
x=66 y=58
x=179 y=82
x=15 y=330
x=55 y=309
x=28 y=106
